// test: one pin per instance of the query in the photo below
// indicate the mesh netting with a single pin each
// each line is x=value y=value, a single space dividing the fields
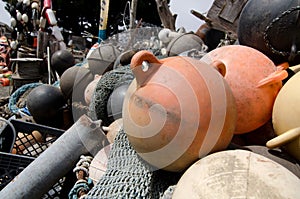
x=105 y=86
x=128 y=176
x=143 y=38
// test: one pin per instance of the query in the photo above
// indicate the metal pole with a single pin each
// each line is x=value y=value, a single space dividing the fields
x=49 y=68
x=84 y=137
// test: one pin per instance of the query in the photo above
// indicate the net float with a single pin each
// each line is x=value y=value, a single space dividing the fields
x=62 y=60
x=101 y=58
x=90 y=88
x=177 y=110
x=45 y=104
x=4 y=81
x=185 y=42
x=26 y=140
x=272 y=27
x=237 y=174
x=113 y=129
x=285 y=118
x=254 y=80
x=98 y=165
x=25 y=18
x=115 y=102
x=74 y=81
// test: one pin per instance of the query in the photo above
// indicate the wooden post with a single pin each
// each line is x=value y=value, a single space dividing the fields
x=133 y=13
x=40 y=45
x=104 y=7
x=166 y=17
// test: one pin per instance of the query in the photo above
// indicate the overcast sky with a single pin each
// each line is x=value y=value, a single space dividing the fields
x=185 y=19
x=4 y=15
x=180 y=7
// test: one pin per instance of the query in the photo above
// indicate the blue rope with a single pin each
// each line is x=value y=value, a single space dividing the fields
x=12 y=104
x=80 y=186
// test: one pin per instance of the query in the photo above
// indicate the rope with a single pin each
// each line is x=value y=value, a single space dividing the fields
x=12 y=104
x=84 y=183
x=13 y=100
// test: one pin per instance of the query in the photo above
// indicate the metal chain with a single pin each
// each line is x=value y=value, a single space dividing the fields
x=267 y=40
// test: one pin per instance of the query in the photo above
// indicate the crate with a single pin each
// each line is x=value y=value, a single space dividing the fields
x=27 y=149
x=11 y=165
x=32 y=147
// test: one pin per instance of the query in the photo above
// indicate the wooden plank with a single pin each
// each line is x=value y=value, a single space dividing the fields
x=231 y=10
x=24 y=59
x=226 y=15
x=166 y=17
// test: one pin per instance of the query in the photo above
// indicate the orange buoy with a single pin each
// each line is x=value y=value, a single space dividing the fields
x=254 y=80
x=4 y=81
x=177 y=110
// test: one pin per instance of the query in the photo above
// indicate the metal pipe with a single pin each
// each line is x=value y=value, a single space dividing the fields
x=49 y=65
x=84 y=137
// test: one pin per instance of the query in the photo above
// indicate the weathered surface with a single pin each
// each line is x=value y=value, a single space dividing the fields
x=166 y=17
x=237 y=174
x=226 y=14
x=5 y=91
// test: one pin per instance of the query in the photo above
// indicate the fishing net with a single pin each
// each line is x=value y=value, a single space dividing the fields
x=105 y=86
x=143 y=38
x=129 y=176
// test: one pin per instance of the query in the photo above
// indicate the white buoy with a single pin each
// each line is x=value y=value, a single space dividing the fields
x=237 y=174
x=35 y=5
x=25 y=18
x=19 y=15
x=26 y=2
x=13 y=22
x=14 y=45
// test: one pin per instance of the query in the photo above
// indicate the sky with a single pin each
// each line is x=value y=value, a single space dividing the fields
x=185 y=19
x=180 y=7
x=4 y=15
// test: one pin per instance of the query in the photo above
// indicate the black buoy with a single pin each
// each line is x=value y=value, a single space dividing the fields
x=76 y=79
x=45 y=103
x=115 y=102
x=61 y=60
x=272 y=27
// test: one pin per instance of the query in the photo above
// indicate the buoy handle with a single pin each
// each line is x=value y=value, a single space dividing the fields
x=277 y=76
x=284 y=138
x=220 y=67
x=143 y=65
